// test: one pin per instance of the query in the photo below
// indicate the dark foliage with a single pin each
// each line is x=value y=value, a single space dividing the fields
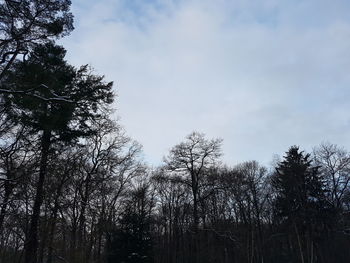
x=48 y=94
x=131 y=241
x=300 y=189
x=27 y=23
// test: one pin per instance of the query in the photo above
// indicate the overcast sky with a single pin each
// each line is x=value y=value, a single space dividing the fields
x=261 y=74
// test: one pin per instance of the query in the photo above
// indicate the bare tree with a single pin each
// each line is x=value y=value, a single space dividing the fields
x=334 y=163
x=193 y=158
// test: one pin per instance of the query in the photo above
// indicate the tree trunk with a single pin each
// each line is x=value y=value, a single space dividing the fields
x=82 y=218
x=299 y=244
x=52 y=231
x=195 y=227
x=8 y=191
x=31 y=244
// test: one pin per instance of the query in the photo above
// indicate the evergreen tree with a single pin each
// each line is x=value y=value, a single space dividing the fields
x=57 y=102
x=131 y=240
x=27 y=23
x=300 y=204
x=299 y=187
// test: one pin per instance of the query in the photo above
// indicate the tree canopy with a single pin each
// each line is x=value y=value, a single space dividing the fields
x=49 y=94
x=27 y=23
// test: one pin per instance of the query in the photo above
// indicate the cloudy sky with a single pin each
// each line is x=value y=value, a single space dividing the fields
x=261 y=74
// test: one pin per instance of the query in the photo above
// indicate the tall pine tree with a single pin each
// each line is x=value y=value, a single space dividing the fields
x=58 y=103
x=300 y=204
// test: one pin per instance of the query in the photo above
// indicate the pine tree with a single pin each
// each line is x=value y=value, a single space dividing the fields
x=300 y=203
x=131 y=240
x=27 y=23
x=299 y=187
x=58 y=103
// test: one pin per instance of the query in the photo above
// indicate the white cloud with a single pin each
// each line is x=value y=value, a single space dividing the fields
x=257 y=74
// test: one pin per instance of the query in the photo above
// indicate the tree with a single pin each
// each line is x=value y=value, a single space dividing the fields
x=26 y=23
x=251 y=196
x=334 y=163
x=300 y=199
x=108 y=164
x=193 y=158
x=131 y=240
x=15 y=156
x=173 y=214
x=57 y=101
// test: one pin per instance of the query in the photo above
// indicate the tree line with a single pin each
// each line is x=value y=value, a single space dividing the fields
x=74 y=188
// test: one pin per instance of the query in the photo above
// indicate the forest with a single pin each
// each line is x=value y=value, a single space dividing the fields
x=75 y=188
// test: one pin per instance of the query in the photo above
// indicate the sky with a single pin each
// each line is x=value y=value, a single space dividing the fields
x=263 y=75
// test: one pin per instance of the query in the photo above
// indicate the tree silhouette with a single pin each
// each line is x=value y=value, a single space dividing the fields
x=26 y=23
x=56 y=101
x=300 y=203
x=193 y=158
x=131 y=240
